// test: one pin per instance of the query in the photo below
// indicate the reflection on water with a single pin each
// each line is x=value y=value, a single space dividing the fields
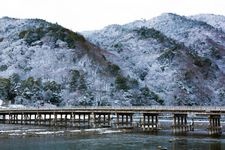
x=198 y=144
x=215 y=146
x=122 y=141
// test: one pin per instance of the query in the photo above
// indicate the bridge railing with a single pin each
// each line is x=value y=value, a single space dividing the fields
x=128 y=108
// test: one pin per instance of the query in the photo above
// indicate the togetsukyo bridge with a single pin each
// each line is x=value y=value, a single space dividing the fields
x=145 y=118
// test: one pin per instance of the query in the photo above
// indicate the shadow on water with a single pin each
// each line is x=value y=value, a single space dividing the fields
x=215 y=146
x=187 y=144
x=197 y=143
x=180 y=144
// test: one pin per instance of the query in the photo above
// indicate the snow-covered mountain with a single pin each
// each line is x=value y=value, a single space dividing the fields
x=46 y=63
x=217 y=21
x=179 y=58
x=168 y=60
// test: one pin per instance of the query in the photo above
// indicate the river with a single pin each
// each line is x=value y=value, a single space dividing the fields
x=41 y=139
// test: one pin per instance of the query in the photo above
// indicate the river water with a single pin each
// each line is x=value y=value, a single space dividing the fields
x=108 y=140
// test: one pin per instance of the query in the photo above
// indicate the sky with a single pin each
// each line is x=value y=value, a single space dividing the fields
x=83 y=15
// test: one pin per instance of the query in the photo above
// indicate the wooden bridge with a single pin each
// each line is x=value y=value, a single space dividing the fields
x=147 y=118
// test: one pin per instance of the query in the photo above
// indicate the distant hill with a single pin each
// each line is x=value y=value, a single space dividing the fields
x=179 y=58
x=168 y=60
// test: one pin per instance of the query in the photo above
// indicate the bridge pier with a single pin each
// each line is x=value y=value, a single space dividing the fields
x=180 y=123
x=79 y=119
x=150 y=122
x=3 y=118
x=14 y=118
x=39 y=118
x=102 y=119
x=21 y=122
x=35 y=119
x=49 y=119
x=10 y=118
x=124 y=120
x=214 y=127
x=25 y=118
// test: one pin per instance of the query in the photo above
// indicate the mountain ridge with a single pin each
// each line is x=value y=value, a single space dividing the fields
x=168 y=60
x=176 y=27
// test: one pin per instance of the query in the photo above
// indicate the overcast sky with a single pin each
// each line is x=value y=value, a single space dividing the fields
x=80 y=15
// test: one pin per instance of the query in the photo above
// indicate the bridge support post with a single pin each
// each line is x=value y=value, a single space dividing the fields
x=50 y=119
x=66 y=120
x=124 y=120
x=39 y=118
x=10 y=118
x=55 y=118
x=214 y=127
x=89 y=120
x=25 y=118
x=15 y=118
x=22 y=118
x=3 y=118
x=30 y=118
x=180 y=123
x=102 y=119
x=80 y=119
x=150 y=122
x=35 y=119
x=45 y=119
